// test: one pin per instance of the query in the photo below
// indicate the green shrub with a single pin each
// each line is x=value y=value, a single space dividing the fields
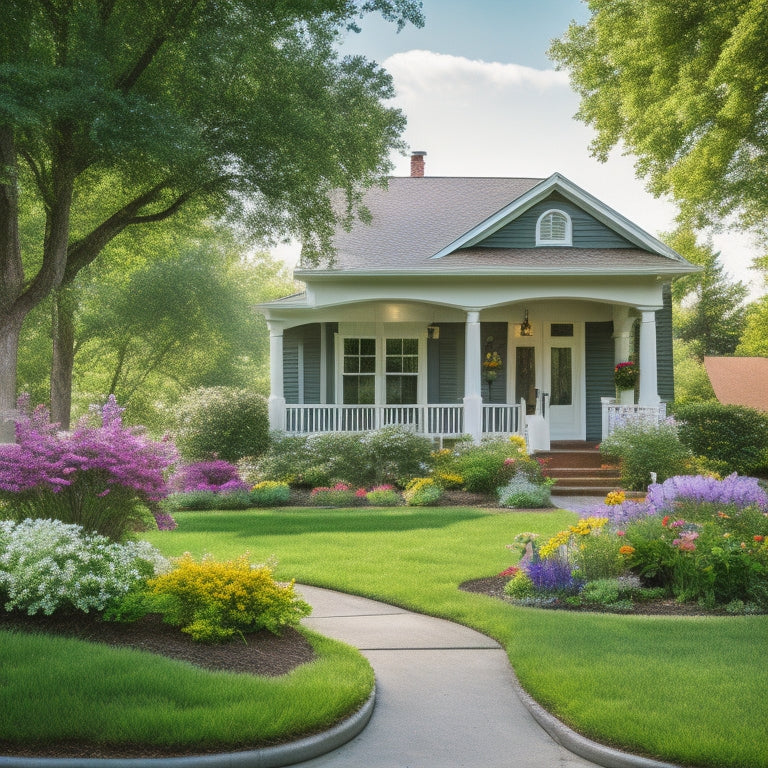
x=270 y=493
x=383 y=496
x=388 y=455
x=598 y=557
x=491 y=465
x=521 y=493
x=212 y=601
x=221 y=422
x=642 y=448
x=732 y=434
x=519 y=586
x=195 y=500
x=421 y=492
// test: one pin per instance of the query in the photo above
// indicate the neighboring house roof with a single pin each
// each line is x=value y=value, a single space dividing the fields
x=739 y=380
x=433 y=225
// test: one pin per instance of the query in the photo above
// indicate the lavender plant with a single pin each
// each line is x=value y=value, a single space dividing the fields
x=218 y=476
x=734 y=489
x=104 y=477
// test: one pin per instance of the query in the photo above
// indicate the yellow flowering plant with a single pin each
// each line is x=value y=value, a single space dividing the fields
x=584 y=527
x=212 y=600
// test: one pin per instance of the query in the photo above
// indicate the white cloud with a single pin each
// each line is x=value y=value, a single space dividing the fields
x=477 y=118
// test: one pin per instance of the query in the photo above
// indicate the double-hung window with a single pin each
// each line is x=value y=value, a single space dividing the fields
x=380 y=370
x=359 y=371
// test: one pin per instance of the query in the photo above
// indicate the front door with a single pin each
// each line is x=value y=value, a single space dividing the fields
x=563 y=380
x=549 y=364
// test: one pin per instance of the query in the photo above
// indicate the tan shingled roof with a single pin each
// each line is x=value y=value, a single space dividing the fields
x=739 y=380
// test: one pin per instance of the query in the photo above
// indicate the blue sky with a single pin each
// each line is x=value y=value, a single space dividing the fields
x=483 y=99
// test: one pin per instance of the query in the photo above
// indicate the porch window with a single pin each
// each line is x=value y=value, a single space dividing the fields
x=402 y=371
x=562 y=377
x=359 y=371
x=553 y=228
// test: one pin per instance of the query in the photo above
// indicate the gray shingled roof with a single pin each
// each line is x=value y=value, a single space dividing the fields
x=415 y=218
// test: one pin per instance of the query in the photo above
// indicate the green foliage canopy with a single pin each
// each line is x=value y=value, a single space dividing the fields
x=243 y=107
x=684 y=88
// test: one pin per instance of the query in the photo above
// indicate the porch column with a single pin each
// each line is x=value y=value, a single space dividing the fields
x=473 y=401
x=622 y=334
x=649 y=391
x=276 y=402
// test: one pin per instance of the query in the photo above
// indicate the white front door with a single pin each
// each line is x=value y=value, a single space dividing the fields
x=548 y=365
x=564 y=380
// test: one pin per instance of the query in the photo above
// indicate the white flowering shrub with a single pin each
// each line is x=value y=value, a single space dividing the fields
x=46 y=565
x=521 y=493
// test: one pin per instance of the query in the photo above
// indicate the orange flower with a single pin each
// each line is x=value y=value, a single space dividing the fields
x=626 y=550
x=665 y=520
x=759 y=538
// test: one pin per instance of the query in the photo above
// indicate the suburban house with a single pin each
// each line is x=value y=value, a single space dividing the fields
x=476 y=306
x=739 y=380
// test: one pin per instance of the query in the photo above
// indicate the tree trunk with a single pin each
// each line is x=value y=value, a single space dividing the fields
x=10 y=330
x=63 y=357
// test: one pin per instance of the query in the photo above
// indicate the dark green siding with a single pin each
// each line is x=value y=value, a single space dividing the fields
x=497 y=391
x=665 y=366
x=301 y=383
x=598 y=343
x=445 y=365
x=587 y=231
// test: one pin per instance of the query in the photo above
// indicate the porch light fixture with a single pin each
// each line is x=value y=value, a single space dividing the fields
x=525 y=328
x=433 y=331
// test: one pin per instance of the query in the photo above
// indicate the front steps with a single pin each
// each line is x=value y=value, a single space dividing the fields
x=580 y=469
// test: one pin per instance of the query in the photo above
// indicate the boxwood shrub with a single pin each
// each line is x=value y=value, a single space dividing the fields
x=732 y=434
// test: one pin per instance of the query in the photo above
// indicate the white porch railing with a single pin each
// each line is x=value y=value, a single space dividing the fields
x=433 y=420
x=617 y=415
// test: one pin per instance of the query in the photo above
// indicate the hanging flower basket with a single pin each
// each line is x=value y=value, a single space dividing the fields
x=625 y=375
x=492 y=364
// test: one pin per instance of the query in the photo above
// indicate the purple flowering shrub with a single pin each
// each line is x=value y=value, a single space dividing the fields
x=102 y=477
x=553 y=575
x=218 y=476
x=734 y=489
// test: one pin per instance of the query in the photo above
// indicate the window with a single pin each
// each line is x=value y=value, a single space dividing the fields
x=402 y=370
x=380 y=370
x=359 y=371
x=562 y=376
x=553 y=228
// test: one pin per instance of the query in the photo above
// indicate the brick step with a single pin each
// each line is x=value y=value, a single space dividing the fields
x=602 y=492
x=571 y=459
x=589 y=482
x=566 y=472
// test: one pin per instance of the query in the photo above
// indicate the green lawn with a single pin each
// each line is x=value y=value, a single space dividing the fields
x=689 y=690
x=86 y=692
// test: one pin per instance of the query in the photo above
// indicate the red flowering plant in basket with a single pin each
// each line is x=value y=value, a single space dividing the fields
x=625 y=375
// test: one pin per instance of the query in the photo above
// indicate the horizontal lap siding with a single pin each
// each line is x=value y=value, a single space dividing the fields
x=497 y=391
x=301 y=344
x=588 y=232
x=598 y=344
x=665 y=366
x=445 y=365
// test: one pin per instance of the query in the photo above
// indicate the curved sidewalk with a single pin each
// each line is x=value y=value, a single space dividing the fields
x=446 y=696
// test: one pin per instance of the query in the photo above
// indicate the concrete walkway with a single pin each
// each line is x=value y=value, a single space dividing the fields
x=445 y=696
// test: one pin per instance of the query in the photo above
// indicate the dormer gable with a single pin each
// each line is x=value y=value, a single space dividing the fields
x=577 y=228
x=597 y=222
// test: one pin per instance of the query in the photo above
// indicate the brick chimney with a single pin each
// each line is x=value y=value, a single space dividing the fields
x=417 y=164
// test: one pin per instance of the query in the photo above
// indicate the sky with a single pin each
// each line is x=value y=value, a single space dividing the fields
x=482 y=99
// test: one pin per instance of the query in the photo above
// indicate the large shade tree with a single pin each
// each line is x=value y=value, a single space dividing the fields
x=241 y=104
x=683 y=86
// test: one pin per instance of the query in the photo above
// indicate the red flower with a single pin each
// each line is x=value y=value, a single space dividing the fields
x=759 y=538
x=665 y=520
x=513 y=570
